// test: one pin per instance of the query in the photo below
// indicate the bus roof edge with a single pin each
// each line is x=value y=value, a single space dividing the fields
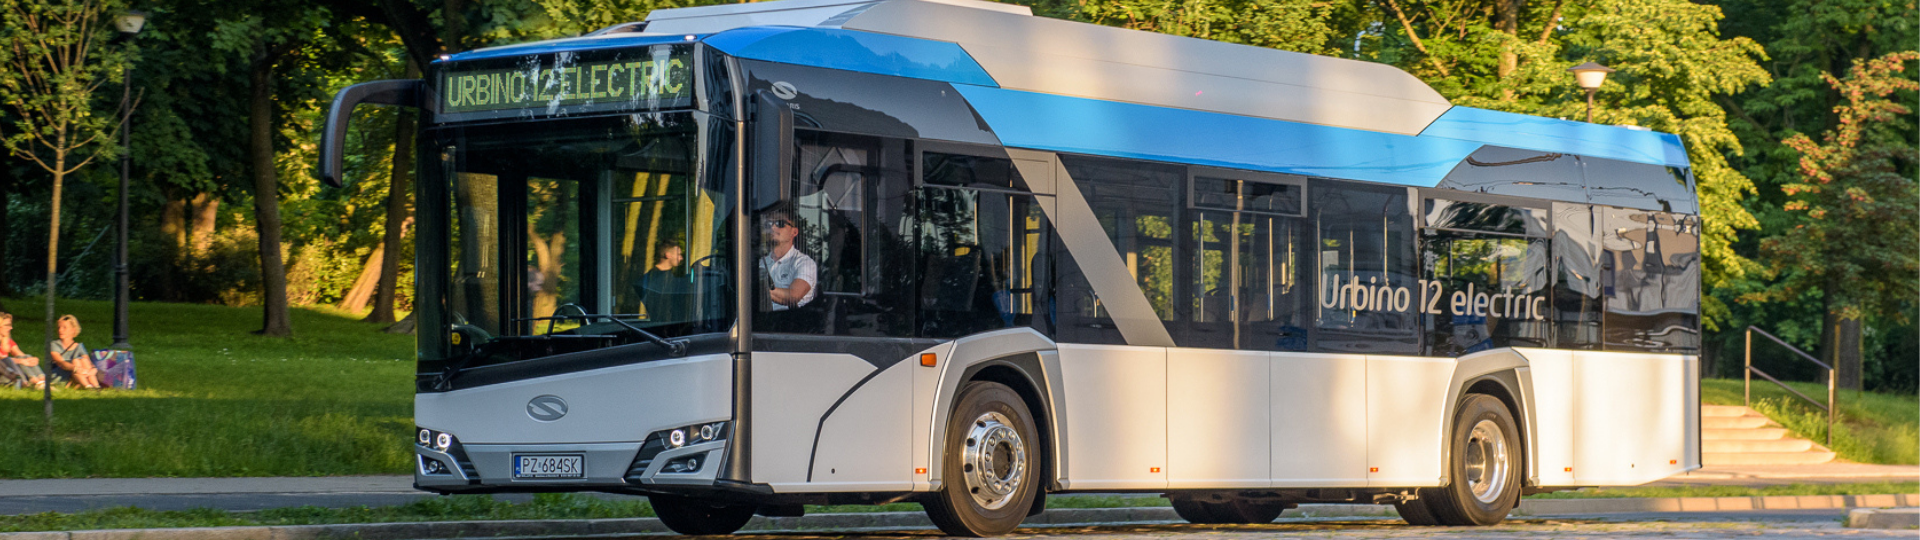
x=1039 y=54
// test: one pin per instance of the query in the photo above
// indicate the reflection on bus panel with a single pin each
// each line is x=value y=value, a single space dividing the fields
x=744 y=258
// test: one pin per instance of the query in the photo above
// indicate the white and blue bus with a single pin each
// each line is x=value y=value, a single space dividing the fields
x=744 y=258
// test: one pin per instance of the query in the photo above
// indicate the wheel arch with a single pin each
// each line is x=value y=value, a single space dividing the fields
x=1019 y=373
x=1503 y=374
x=1024 y=361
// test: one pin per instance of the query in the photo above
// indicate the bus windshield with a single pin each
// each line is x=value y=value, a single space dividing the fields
x=580 y=234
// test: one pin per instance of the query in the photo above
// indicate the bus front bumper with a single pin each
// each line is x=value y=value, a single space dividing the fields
x=603 y=466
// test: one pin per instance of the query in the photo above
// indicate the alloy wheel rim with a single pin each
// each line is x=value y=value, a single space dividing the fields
x=994 y=461
x=1486 y=461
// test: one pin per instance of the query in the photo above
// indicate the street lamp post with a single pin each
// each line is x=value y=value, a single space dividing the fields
x=1589 y=76
x=129 y=24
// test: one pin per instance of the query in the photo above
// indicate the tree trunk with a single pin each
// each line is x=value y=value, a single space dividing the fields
x=173 y=224
x=53 y=267
x=1508 y=21
x=406 y=325
x=6 y=230
x=398 y=188
x=1847 y=361
x=362 y=291
x=266 y=197
x=202 y=216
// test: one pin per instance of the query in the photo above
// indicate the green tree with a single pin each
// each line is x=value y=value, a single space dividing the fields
x=1807 y=41
x=55 y=64
x=1293 y=25
x=1672 y=64
x=1856 y=241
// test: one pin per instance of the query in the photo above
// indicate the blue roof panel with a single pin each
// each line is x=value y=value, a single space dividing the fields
x=1087 y=126
x=855 y=51
x=1553 y=135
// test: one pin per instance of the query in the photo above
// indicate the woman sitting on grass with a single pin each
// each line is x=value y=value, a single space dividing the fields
x=29 y=365
x=70 y=358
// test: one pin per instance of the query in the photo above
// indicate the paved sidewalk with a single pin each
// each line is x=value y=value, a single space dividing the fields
x=1772 y=475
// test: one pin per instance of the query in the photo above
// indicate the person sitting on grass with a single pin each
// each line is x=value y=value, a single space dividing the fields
x=26 y=364
x=71 y=360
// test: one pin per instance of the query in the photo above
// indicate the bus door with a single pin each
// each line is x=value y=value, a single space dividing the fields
x=1247 y=240
x=983 y=240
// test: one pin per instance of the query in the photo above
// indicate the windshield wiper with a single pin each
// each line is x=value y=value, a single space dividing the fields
x=675 y=347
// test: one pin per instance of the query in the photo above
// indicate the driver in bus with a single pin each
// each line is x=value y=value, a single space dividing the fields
x=792 y=274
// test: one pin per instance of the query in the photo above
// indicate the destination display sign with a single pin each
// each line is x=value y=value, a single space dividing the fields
x=654 y=77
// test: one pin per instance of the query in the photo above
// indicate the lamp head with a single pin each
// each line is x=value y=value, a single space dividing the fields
x=130 y=22
x=1590 y=75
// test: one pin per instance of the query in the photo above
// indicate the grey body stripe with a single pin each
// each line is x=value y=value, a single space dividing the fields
x=1099 y=260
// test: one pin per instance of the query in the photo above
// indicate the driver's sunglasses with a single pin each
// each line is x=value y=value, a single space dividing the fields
x=777 y=223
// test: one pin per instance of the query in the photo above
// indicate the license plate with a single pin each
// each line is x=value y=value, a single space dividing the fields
x=549 y=466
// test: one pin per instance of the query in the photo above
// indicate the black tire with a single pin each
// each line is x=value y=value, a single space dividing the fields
x=1009 y=460
x=695 y=517
x=1228 y=512
x=1415 y=512
x=1485 y=466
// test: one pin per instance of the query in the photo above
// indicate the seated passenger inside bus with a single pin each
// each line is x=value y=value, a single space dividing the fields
x=664 y=290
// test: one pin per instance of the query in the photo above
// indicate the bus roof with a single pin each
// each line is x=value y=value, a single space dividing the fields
x=1026 y=74
x=1037 y=54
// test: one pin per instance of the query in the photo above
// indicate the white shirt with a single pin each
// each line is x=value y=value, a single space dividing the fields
x=795 y=265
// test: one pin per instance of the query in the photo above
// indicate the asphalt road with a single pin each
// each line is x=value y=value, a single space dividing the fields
x=1790 y=524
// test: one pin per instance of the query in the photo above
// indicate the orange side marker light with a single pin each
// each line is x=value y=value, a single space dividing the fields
x=1373 y=469
x=928 y=359
x=1154 y=470
x=919 y=470
x=1569 y=469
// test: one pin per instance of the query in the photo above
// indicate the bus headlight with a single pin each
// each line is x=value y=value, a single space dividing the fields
x=438 y=441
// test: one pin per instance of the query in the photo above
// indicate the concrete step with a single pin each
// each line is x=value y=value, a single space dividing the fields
x=1734 y=422
x=1810 y=457
x=1755 y=446
x=1748 y=434
x=1724 y=410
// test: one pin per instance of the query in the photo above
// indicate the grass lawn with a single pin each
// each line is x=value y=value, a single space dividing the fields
x=1872 y=427
x=216 y=400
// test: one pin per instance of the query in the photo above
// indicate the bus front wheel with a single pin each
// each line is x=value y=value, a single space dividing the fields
x=1485 y=469
x=990 y=474
x=695 y=517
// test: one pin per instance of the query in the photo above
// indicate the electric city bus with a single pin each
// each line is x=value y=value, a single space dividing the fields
x=744 y=258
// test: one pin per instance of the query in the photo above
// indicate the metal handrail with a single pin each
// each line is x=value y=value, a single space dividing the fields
x=1832 y=389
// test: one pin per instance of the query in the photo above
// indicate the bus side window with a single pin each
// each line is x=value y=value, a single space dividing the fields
x=982 y=247
x=1137 y=204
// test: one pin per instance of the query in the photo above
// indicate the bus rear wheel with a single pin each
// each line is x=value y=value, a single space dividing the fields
x=1485 y=469
x=990 y=474
x=1227 y=512
x=695 y=517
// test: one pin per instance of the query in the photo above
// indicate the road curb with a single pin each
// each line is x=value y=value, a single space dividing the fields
x=1884 y=518
x=917 y=520
x=1538 y=507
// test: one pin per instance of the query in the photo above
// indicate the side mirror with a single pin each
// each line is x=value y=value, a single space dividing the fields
x=405 y=92
x=772 y=149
